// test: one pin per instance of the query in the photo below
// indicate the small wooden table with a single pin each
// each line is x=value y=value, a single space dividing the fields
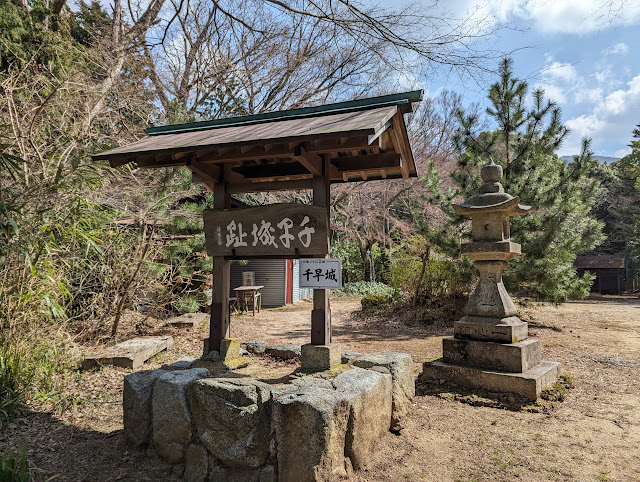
x=249 y=293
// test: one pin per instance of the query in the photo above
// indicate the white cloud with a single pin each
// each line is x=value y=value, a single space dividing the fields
x=623 y=152
x=559 y=80
x=619 y=48
x=553 y=92
x=591 y=96
x=558 y=71
x=611 y=119
x=567 y=16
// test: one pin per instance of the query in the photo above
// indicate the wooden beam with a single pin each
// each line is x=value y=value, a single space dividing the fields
x=312 y=162
x=292 y=185
x=180 y=155
x=273 y=170
x=159 y=161
x=211 y=173
x=231 y=176
x=402 y=145
x=385 y=139
x=246 y=153
x=358 y=163
x=373 y=137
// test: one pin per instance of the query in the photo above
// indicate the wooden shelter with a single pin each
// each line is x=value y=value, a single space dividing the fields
x=609 y=271
x=307 y=148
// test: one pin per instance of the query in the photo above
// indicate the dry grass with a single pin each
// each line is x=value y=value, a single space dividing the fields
x=594 y=434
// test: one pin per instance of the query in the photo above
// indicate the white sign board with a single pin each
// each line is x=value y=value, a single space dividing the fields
x=321 y=273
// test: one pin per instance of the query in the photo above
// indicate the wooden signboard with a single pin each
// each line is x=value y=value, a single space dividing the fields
x=321 y=273
x=276 y=230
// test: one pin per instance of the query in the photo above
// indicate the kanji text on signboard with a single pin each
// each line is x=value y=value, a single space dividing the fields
x=321 y=273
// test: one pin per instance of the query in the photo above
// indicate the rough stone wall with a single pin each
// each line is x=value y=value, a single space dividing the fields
x=223 y=429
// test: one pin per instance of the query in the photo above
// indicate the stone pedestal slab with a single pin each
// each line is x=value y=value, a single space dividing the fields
x=484 y=328
x=230 y=354
x=509 y=357
x=528 y=384
x=131 y=353
x=320 y=357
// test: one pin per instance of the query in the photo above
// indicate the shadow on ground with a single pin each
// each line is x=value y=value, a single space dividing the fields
x=64 y=452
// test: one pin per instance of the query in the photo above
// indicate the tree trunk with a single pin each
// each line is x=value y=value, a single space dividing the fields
x=425 y=258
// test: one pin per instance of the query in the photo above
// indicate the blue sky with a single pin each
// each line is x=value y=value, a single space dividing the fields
x=584 y=54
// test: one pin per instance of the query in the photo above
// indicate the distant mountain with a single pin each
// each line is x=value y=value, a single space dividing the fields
x=601 y=159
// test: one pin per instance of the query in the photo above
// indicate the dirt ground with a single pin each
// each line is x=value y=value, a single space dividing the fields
x=594 y=435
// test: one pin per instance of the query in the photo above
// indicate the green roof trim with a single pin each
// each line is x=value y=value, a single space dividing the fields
x=404 y=100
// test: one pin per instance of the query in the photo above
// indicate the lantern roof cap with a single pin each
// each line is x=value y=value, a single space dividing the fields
x=491 y=202
x=492 y=197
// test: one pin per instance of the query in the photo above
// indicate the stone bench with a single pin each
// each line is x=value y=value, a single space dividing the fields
x=129 y=354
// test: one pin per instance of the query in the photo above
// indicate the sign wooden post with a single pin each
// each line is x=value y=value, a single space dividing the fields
x=219 y=324
x=321 y=313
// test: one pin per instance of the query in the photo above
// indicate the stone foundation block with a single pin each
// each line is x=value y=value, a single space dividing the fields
x=188 y=320
x=528 y=384
x=232 y=419
x=500 y=330
x=310 y=426
x=223 y=474
x=230 y=348
x=369 y=395
x=256 y=346
x=403 y=388
x=196 y=464
x=284 y=351
x=181 y=364
x=348 y=356
x=171 y=415
x=320 y=357
x=508 y=357
x=136 y=402
x=230 y=354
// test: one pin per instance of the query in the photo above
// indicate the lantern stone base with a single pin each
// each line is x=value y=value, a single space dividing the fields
x=320 y=357
x=528 y=384
x=493 y=354
x=508 y=357
x=485 y=328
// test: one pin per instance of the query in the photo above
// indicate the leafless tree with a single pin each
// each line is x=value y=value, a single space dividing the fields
x=208 y=59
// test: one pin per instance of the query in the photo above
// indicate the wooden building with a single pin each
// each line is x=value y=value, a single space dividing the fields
x=609 y=270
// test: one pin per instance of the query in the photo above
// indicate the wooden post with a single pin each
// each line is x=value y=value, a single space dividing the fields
x=219 y=323
x=321 y=313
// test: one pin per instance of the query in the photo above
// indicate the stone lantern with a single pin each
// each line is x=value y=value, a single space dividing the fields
x=490 y=250
x=490 y=348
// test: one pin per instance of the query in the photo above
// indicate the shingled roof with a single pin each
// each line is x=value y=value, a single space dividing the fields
x=364 y=139
x=599 y=262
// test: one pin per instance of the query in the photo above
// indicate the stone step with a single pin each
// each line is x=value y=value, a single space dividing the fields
x=131 y=353
x=507 y=357
x=528 y=384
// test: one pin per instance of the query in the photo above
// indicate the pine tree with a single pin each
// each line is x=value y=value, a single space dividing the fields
x=627 y=171
x=560 y=225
